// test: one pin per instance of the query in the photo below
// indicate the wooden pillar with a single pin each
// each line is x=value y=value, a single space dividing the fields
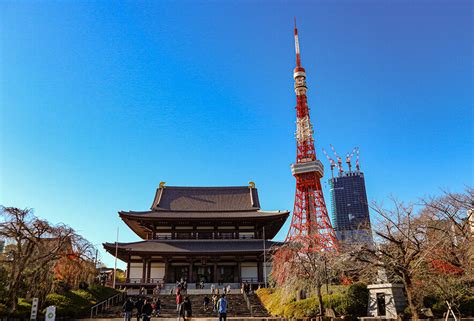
x=167 y=270
x=148 y=273
x=215 y=272
x=144 y=270
x=190 y=271
x=260 y=270
x=239 y=268
x=128 y=268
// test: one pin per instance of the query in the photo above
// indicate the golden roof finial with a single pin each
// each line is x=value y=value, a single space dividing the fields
x=251 y=184
x=162 y=184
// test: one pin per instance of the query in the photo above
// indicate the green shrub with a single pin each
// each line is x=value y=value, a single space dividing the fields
x=69 y=304
x=86 y=295
x=274 y=300
x=303 y=308
x=357 y=299
x=100 y=292
x=337 y=302
x=467 y=306
x=351 y=301
x=3 y=309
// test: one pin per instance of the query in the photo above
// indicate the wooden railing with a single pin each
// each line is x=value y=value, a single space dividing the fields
x=156 y=281
x=107 y=303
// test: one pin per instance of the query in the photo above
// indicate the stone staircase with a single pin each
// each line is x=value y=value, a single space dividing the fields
x=237 y=307
x=257 y=307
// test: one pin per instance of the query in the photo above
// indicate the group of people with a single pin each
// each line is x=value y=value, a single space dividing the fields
x=246 y=287
x=146 y=308
x=219 y=305
x=183 y=305
x=215 y=290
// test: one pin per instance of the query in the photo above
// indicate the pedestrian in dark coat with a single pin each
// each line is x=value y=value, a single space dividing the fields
x=127 y=309
x=186 y=309
x=139 y=306
x=147 y=310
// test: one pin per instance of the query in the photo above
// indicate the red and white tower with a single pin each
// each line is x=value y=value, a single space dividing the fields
x=310 y=223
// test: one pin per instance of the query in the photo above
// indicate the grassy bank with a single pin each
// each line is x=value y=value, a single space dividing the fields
x=349 y=301
x=72 y=303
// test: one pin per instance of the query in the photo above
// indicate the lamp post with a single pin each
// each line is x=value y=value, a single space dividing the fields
x=264 y=258
x=116 y=254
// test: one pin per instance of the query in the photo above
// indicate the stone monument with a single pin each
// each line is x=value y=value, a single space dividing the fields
x=386 y=300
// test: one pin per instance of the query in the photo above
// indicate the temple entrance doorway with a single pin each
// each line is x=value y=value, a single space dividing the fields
x=226 y=274
x=180 y=273
x=204 y=274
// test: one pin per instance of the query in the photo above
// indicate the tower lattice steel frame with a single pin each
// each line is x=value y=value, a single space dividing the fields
x=310 y=223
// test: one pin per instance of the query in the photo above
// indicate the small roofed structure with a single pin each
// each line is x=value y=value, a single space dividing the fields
x=199 y=234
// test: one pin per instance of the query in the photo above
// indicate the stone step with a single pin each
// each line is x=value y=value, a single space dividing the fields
x=237 y=307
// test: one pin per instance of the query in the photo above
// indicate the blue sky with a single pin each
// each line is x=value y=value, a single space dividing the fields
x=101 y=101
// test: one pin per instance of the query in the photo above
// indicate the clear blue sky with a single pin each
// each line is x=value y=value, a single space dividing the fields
x=101 y=101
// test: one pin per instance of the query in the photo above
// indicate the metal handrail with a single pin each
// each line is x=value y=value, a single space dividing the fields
x=249 y=306
x=107 y=303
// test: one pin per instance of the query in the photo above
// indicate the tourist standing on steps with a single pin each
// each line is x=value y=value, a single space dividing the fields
x=147 y=310
x=214 y=303
x=212 y=288
x=205 y=302
x=127 y=309
x=139 y=306
x=158 y=307
x=185 y=309
x=222 y=308
x=179 y=300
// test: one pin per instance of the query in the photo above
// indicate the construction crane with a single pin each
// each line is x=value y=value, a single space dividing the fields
x=331 y=162
x=349 y=157
x=357 y=160
x=339 y=160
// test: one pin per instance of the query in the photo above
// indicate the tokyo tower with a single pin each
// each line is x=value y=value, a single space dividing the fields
x=310 y=223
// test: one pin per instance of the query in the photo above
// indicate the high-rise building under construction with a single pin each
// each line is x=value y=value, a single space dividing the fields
x=350 y=210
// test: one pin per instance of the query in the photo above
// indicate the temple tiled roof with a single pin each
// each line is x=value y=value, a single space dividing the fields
x=206 y=199
x=207 y=206
x=203 y=214
x=191 y=246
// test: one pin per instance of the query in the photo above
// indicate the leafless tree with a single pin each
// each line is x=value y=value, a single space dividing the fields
x=35 y=253
x=303 y=266
x=411 y=245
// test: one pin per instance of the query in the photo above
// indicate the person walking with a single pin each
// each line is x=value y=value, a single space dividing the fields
x=214 y=303
x=139 y=306
x=179 y=301
x=186 y=309
x=205 y=302
x=147 y=310
x=158 y=307
x=212 y=288
x=222 y=308
x=127 y=309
